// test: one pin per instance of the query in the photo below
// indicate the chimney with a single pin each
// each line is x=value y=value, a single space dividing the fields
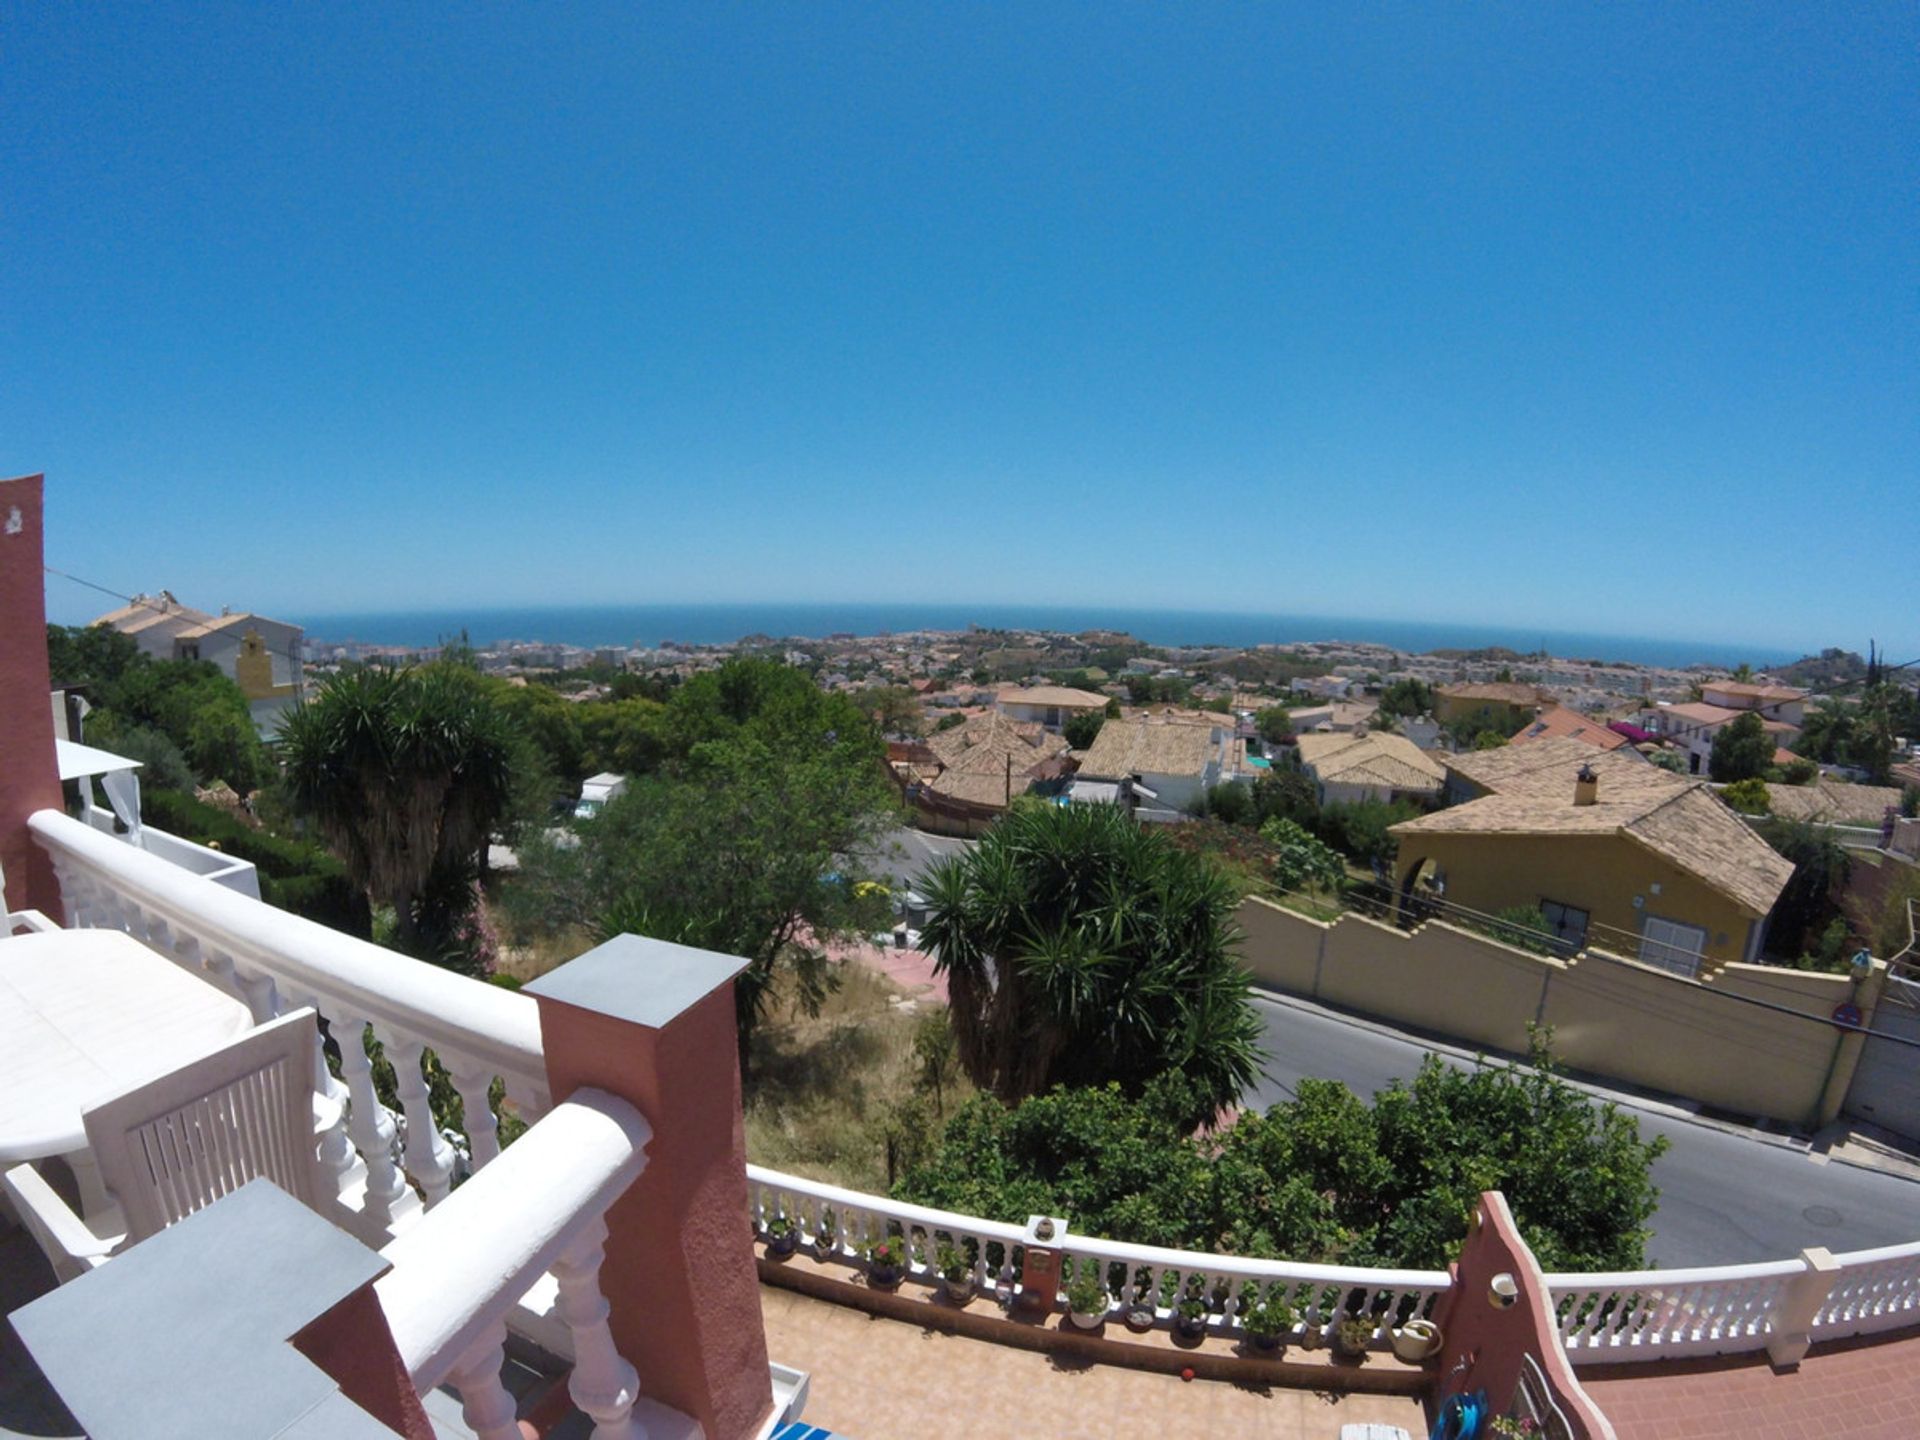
x=1586 y=786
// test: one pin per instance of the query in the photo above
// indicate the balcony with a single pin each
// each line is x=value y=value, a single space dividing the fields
x=499 y=1303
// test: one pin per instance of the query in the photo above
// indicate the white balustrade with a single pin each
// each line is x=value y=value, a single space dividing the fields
x=461 y=1270
x=1875 y=1290
x=839 y=1223
x=1669 y=1314
x=274 y=961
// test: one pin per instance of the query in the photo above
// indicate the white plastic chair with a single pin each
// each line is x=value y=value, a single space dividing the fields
x=174 y=1144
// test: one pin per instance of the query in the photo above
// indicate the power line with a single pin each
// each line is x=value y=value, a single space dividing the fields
x=144 y=603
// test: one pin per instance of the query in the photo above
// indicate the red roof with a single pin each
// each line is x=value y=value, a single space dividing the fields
x=1558 y=722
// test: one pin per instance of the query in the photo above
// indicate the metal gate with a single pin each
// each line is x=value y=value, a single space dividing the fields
x=1886 y=1085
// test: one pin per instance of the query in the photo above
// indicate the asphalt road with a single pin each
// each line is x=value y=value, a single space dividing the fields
x=1727 y=1197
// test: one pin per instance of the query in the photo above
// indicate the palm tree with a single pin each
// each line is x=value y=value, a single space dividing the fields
x=1080 y=948
x=406 y=773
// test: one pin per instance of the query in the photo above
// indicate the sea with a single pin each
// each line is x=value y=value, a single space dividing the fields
x=649 y=626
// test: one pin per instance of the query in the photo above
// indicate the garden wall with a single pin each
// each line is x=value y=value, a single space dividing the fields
x=1611 y=1017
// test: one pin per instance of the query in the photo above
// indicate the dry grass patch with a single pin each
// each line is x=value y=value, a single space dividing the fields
x=833 y=1092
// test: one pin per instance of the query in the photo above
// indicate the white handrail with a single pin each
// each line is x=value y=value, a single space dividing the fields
x=464 y=1265
x=485 y=1022
x=839 y=1223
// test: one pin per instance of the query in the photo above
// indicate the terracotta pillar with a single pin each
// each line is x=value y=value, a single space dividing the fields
x=29 y=774
x=653 y=1023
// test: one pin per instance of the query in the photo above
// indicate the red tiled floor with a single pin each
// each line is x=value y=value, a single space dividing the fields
x=1861 y=1389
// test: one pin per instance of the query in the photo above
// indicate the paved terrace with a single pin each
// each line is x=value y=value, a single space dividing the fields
x=882 y=1379
x=1857 y=1388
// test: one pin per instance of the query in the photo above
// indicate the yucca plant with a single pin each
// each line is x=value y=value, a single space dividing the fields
x=405 y=773
x=1081 y=947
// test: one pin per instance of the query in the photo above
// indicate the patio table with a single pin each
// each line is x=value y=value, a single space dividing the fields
x=83 y=1015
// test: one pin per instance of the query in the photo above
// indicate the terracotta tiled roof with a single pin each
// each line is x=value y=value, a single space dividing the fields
x=1567 y=724
x=1834 y=802
x=1061 y=696
x=1499 y=692
x=1701 y=713
x=1390 y=761
x=1532 y=793
x=1152 y=747
x=1765 y=694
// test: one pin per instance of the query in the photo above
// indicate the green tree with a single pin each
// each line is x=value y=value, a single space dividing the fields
x=742 y=841
x=1080 y=947
x=1302 y=862
x=1826 y=732
x=623 y=737
x=1274 y=724
x=1323 y=1177
x=1742 y=749
x=1810 y=901
x=895 y=709
x=1286 y=793
x=406 y=773
x=1081 y=729
x=1749 y=797
x=1364 y=828
x=1409 y=697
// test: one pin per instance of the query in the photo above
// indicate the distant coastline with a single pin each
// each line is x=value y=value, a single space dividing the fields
x=647 y=626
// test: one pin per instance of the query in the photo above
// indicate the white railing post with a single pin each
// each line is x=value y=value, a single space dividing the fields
x=603 y=1384
x=475 y=1084
x=369 y=1123
x=1790 y=1323
x=484 y=1402
x=429 y=1157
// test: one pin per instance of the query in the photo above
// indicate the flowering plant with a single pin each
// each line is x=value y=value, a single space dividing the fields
x=888 y=1252
x=1517 y=1428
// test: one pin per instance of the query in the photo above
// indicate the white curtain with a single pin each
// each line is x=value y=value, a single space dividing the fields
x=123 y=793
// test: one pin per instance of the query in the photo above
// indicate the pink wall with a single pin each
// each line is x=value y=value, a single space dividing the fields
x=353 y=1344
x=29 y=775
x=680 y=1272
x=1498 y=1338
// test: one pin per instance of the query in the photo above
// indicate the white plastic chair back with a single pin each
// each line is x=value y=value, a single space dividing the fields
x=177 y=1143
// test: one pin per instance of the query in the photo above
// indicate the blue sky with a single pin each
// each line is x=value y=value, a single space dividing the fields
x=1599 y=319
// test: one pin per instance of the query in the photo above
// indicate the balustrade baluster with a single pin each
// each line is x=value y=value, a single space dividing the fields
x=336 y=1144
x=603 y=1384
x=258 y=989
x=429 y=1158
x=484 y=1402
x=475 y=1084
x=369 y=1123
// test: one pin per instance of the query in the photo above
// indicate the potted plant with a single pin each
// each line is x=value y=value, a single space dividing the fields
x=1190 y=1315
x=1267 y=1322
x=886 y=1262
x=1087 y=1297
x=1352 y=1334
x=826 y=1234
x=783 y=1236
x=1509 y=1427
x=1417 y=1341
x=1140 y=1312
x=956 y=1274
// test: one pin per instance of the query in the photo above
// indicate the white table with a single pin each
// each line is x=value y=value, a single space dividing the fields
x=83 y=1015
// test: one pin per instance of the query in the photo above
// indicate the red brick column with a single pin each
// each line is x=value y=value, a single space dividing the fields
x=654 y=1024
x=29 y=774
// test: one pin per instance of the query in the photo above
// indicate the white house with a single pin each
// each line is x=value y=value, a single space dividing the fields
x=263 y=657
x=1174 y=762
x=1048 y=705
x=1351 y=768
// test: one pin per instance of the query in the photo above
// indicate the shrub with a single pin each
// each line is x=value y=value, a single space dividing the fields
x=1302 y=861
x=295 y=875
x=1749 y=797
